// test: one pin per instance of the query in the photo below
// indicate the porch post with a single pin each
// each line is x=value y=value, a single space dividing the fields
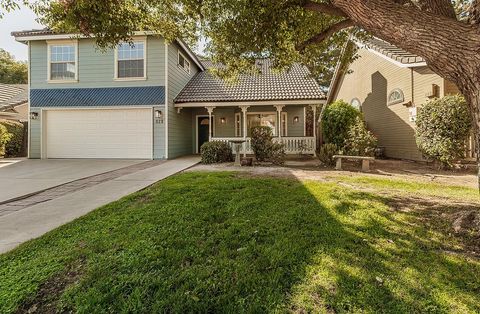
x=314 y=108
x=279 y=120
x=210 y=111
x=244 y=112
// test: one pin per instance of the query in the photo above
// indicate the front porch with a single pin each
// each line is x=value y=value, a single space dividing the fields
x=291 y=124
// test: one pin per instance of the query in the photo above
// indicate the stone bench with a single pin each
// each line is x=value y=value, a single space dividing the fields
x=365 y=161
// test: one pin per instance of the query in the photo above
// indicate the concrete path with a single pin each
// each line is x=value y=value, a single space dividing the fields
x=34 y=221
x=32 y=175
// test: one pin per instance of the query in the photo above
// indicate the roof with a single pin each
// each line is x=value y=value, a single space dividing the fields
x=268 y=84
x=386 y=50
x=26 y=35
x=393 y=52
x=12 y=95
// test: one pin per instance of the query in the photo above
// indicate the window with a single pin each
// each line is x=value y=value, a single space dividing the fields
x=130 y=60
x=238 y=124
x=356 y=103
x=284 y=123
x=62 y=61
x=395 y=97
x=183 y=62
x=264 y=119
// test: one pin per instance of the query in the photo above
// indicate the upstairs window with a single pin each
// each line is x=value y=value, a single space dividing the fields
x=62 y=62
x=396 y=97
x=131 y=60
x=183 y=62
x=356 y=103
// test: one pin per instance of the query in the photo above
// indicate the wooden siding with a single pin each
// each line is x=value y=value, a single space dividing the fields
x=96 y=68
x=371 y=81
x=179 y=124
x=35 y=127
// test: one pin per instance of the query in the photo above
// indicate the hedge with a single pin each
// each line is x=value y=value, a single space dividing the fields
x=15 y=147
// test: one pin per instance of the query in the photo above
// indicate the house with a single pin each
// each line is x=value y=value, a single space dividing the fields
x=153 y=100
x=14 y=102
x=388 y=84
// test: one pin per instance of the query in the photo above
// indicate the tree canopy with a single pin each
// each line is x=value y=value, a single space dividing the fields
x=12 y=71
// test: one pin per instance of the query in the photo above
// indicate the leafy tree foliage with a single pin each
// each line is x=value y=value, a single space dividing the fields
x=11 y=71
x=443 y=127
x=337 y=119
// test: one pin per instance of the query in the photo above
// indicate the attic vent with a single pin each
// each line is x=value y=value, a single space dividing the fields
x=434 y=92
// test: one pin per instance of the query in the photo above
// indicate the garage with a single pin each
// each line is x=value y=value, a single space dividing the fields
x=98 y=133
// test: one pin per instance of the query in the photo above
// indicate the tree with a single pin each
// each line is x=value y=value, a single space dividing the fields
x=11 y=71
x=307 y=31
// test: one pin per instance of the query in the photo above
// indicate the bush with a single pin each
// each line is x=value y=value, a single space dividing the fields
x=277 y=153
x=261 y=142
x=15 y=146
x=337 y=120
x=326 y=153
x=4 y=139
x=216 y=152
x=360 y=141
x=443 y=126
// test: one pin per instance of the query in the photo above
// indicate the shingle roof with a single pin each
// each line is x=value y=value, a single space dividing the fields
x=12 y=95
x=33 y=32
x=294 y=84
x=393 y=52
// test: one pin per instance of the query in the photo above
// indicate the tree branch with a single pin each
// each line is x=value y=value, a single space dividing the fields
x=323 y=8
x=441 y=7
x=325 y=34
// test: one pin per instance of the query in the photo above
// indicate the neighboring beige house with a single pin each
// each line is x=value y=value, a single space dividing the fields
x=388 y=84
x=14 y=102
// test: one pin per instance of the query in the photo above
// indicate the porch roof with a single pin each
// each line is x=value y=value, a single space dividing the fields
x=295 y=84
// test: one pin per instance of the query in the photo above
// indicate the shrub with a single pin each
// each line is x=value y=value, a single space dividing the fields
x=216 y=152
x=15 y=146
x=5 y=137
x=277 y=153
x=337 y=120
x=326 y=153
x=360 y=141
x=261 y=142
x=443 y=126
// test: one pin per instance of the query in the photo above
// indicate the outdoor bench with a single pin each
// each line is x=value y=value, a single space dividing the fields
x=365 y=161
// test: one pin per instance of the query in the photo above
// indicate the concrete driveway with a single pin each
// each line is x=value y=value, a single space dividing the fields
x=32 y=175
x=32 y=216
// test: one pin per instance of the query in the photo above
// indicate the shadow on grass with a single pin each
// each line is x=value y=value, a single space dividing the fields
x=223 y=242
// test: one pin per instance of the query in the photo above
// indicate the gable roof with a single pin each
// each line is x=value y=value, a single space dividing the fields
x=268 y=84
x=45 y=33
x=12 y=95
x=392 y=53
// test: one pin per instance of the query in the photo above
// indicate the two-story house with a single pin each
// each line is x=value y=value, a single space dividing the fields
x=153 y=100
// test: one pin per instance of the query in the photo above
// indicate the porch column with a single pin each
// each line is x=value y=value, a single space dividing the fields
x=210 y=111
x=279 y=119
x=314 y=108
x=244 y=114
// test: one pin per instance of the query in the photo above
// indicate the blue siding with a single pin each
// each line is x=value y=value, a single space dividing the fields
x=97 y=97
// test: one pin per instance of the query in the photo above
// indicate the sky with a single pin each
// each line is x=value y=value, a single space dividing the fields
x=18 y=20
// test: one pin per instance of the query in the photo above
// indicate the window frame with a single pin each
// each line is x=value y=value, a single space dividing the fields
x=238 y=127
x=142 y=40
x=185 y=59
x=359 y=103
x=398 y=101
x=274 y=130
x=284 y=128
x=50 y=44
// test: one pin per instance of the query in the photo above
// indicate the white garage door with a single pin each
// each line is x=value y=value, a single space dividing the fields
x=99 y=133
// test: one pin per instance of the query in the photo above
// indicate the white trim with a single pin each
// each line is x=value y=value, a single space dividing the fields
x=29 y=125
x=197 y=151
x=78 y=36
x=251 y=103
x=43 y=130
x=142 y=39
x=239 y=116
x=179 y=53
x=284 y=113
x=166 y=100
x=397 y=101
x=397 y=63
x=305 y=121
x=51 y=43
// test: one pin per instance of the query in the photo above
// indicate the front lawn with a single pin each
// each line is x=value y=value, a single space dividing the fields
x=226 y=242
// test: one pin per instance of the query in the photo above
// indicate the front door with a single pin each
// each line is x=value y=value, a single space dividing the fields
x=202 y=132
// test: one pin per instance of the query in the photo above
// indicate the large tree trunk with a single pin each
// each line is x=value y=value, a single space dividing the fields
x=450 y=48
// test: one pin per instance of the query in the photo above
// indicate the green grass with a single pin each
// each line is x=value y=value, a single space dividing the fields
x=222 y=242
x=415 y=187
